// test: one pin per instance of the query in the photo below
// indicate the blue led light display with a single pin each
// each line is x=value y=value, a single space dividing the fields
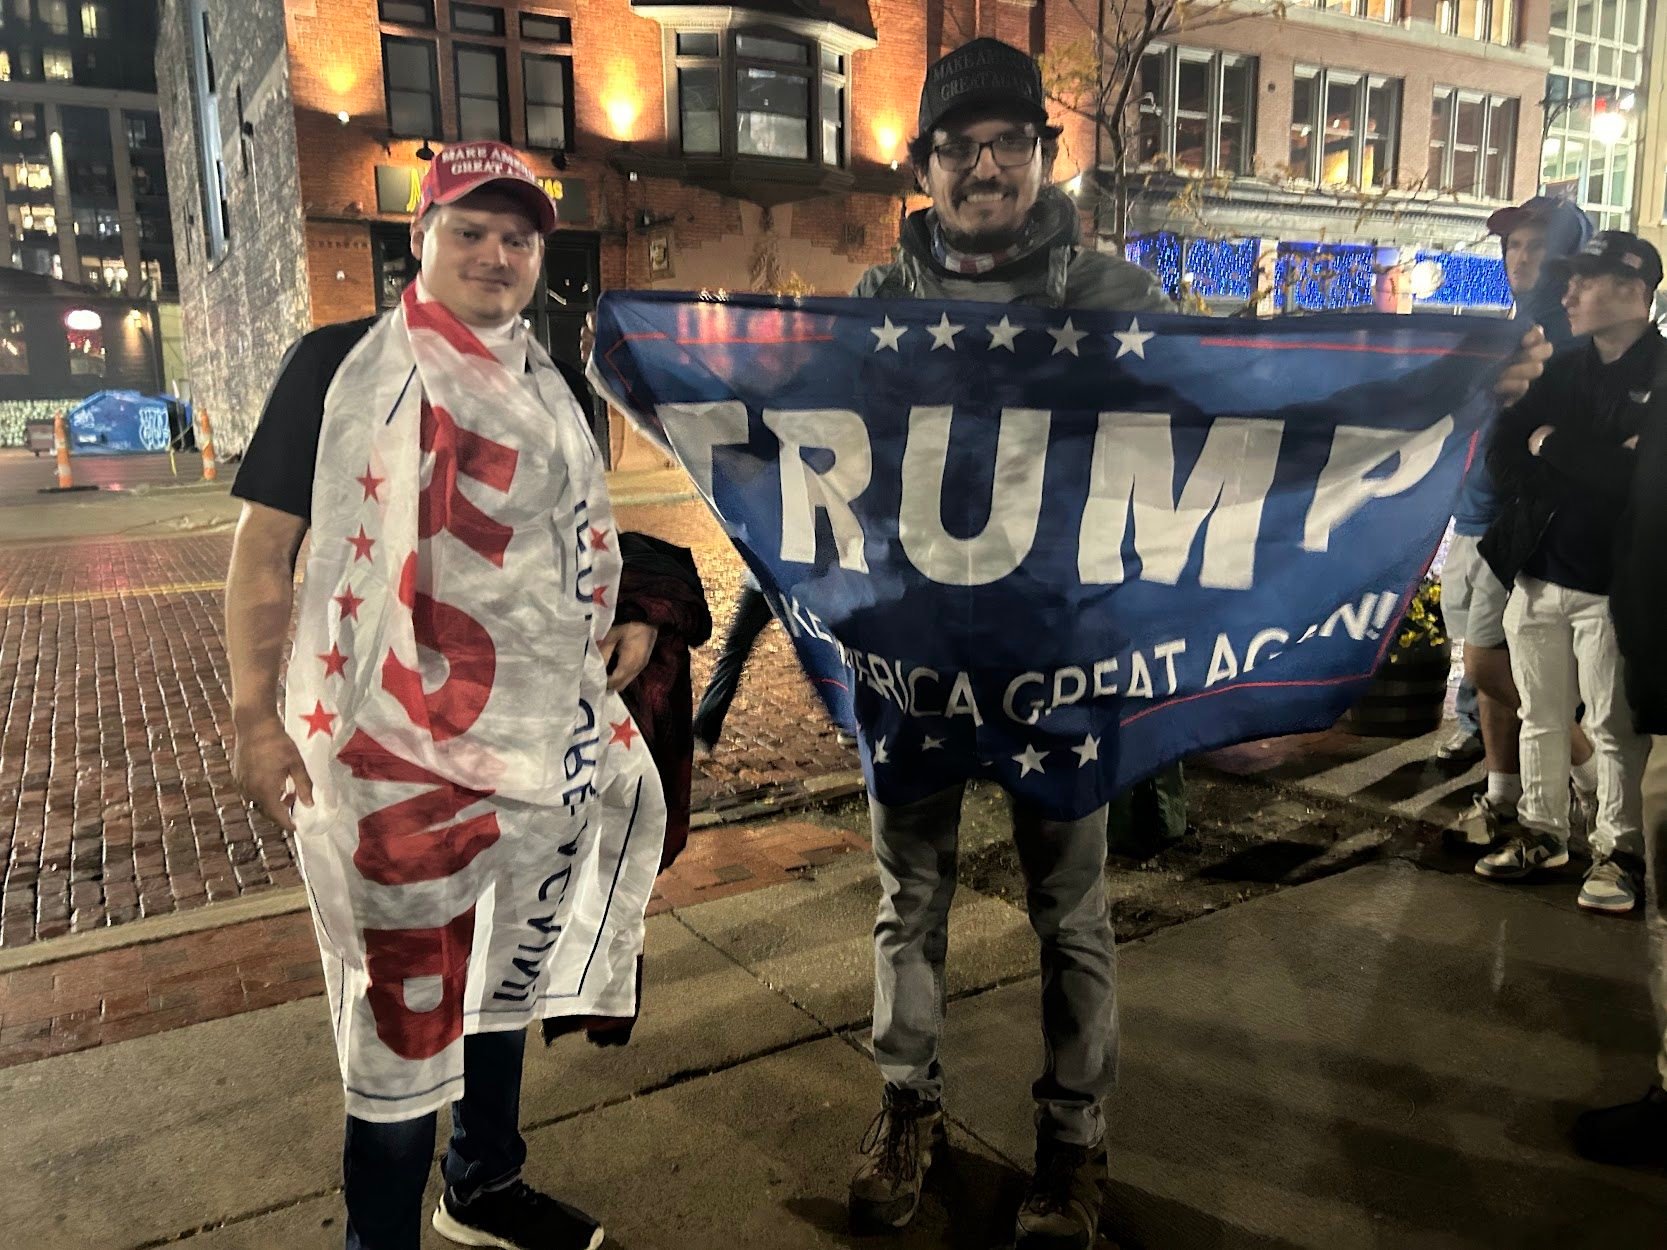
x=1469 y=281
x=1329 y=276
x=1220 y=268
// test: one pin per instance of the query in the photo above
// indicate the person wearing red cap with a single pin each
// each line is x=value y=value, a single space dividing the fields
x=440 y=441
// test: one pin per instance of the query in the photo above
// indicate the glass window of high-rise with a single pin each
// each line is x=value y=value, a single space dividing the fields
x=1597 y=51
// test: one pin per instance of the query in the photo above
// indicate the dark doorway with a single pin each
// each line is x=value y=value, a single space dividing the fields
x=390 y=251
x=566 y=295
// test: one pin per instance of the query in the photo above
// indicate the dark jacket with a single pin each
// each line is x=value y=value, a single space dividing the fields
x=1582 y=465
x=1638 y=601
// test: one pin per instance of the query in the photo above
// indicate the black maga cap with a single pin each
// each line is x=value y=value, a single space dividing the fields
x=985 y=73
x=1614 y=252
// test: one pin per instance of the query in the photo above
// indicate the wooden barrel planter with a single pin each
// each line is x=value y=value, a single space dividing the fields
x=1406 y=698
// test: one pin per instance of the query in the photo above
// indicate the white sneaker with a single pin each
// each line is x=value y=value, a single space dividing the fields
x=1608 y=887
x=1522 y=855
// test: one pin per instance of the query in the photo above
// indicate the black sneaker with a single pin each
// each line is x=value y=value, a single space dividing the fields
x=1634 y=1132
x=896 y=1153
x=516 y=1217
x=1061 y=1209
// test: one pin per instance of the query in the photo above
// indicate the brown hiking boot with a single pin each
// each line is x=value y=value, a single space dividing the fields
x=896 y=1152
x=1061 y=1209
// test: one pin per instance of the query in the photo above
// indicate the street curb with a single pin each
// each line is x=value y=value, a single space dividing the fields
x=262 y=906
x=283 y=902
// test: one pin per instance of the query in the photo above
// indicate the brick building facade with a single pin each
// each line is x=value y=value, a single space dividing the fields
x=701 y=146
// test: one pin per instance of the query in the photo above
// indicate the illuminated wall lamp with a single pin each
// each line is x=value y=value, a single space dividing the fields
x=83 y=319
x=344 y=117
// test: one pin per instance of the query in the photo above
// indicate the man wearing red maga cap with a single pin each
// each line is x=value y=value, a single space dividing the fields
x=476 y=815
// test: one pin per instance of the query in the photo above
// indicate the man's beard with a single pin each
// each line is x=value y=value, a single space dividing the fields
x=982 y=243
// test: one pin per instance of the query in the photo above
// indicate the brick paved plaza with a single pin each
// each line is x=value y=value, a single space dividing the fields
x=116 y=719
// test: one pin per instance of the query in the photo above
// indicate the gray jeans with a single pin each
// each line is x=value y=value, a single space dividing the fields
x=1064 y=869
x=1655 y=888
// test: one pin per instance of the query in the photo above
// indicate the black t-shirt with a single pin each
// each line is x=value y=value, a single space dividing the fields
x=278 y=464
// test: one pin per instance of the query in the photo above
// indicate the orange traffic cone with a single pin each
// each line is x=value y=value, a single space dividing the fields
x=60 y=452
x=205 y=435
x=60 y=449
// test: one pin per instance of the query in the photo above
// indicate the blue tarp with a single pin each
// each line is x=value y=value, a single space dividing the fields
x=121 y=421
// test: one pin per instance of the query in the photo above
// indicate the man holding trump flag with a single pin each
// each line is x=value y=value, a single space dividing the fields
x=1027 y=526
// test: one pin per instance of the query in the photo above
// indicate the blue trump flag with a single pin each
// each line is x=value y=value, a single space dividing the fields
x=1056 y=549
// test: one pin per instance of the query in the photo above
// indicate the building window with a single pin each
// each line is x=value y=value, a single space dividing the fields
x=407 y=12
x=57 y=64
x=211 y=167
x=546 y=84
x=834 y=87
x=1492 y=21
x=477 y=19
x=413 y=83
x=546 y=28
x=5 y=66
x=1379 y=10
x=1343 y=128
x=1195 y=110
x=772 y=97
x=1472 y=142
x=1597 y=63
x=41 y=219
x=14 y=346
x=54 y=15
x=760 y=93
x=84 y=335
x=23 y=63
x=21 y=121
x=482 y=93
x=95 y=21
x=27 y=176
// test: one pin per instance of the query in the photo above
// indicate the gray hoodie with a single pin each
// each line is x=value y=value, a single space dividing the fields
x=1059 y=274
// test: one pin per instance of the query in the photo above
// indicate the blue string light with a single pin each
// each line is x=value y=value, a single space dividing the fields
x=1469 y=280
x=1328 y=276
x=1332 y=276
x=1220 y=268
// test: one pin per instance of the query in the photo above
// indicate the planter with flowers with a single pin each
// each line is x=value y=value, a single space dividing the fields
x=1408 y=694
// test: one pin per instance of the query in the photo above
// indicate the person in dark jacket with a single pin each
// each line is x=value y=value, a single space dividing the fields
x=1563 y=461
x=1530 y=234
x=1636 y=1132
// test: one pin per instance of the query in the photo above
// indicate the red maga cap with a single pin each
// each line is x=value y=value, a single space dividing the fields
x=464 y=167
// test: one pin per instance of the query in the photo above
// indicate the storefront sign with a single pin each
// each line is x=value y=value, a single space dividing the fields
x=398 y=189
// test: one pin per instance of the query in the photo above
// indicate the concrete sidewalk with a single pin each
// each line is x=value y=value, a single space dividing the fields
x=1386 y=1058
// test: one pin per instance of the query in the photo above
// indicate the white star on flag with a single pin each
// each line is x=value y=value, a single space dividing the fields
x=1003 y=333
x=943 y=334
x=1089 y=750
x=1030 y=760
x=1133 y=339
x=888 y=335
x=880 y=756
x=932 y=744
x=1066 y=338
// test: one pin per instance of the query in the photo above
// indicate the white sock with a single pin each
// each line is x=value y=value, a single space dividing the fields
x=1504 y=789
x=1586 y=776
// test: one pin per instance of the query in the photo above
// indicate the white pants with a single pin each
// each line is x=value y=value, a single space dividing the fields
x=1563 y=651
x=1655 y=892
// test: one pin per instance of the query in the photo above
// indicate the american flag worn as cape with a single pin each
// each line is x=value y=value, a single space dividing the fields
x=486 y=821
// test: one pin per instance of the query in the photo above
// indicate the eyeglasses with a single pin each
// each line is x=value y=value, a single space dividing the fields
x=1009 y=152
